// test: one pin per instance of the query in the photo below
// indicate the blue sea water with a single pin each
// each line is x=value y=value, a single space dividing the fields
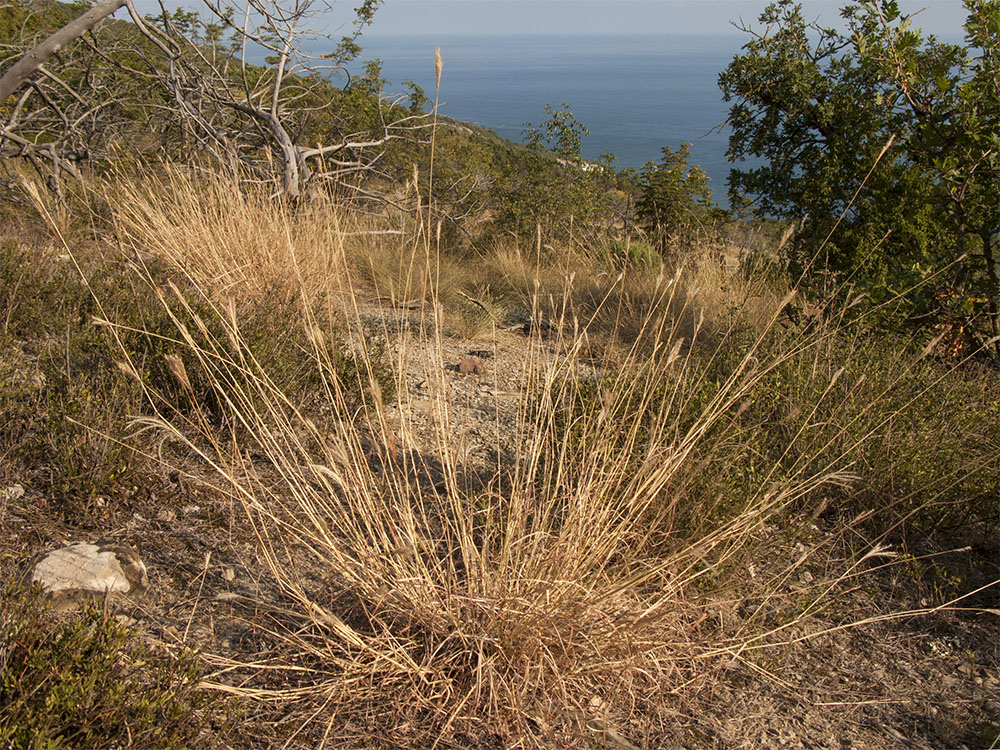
x=635 y=94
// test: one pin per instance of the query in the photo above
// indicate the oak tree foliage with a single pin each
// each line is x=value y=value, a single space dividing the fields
x=885 y=142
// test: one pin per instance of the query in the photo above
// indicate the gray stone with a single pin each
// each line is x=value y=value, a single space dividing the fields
x=91 y=569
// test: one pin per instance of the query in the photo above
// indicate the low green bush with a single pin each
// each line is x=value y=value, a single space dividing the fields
x=633 y=254
x=87 y=681
x=919 y=434
x=62 y=399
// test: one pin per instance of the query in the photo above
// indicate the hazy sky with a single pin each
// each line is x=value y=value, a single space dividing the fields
x=941 y=17
x=430 y=17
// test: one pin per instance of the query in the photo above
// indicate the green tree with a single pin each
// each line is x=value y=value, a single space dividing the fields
x=673 y=196
x=549 y=188
x=884 y=140
x=562 y=134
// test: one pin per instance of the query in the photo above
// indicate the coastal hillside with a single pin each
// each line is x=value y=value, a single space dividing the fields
x=326 y=421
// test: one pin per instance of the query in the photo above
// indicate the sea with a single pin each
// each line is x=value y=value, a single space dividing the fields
x=635 y=94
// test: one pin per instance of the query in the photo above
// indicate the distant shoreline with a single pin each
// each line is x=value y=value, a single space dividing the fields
x=635 y=93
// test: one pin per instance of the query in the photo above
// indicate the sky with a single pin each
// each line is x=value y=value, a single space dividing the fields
x=577 y=17
x=428 y=17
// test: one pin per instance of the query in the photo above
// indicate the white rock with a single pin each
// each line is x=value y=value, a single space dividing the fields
x=97 y=568
x=14 y=492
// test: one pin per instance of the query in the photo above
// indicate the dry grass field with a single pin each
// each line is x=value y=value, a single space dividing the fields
x=668 y=510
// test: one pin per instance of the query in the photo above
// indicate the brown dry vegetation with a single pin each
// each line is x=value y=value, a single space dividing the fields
x=667 y=516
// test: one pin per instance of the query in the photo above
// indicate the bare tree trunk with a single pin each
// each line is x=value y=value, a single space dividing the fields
x=18 y=73
x=290 y=171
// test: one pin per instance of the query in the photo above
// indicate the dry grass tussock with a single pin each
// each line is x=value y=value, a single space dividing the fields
x=573 y=588
x=241 y=242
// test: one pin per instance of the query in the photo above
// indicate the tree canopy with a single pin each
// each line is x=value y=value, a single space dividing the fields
x=885 y=142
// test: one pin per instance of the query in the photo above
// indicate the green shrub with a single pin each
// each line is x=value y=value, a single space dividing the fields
x=89 y=682
x=673 y=196
x=62 y=400
x=630 y=254
x=38 y=290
